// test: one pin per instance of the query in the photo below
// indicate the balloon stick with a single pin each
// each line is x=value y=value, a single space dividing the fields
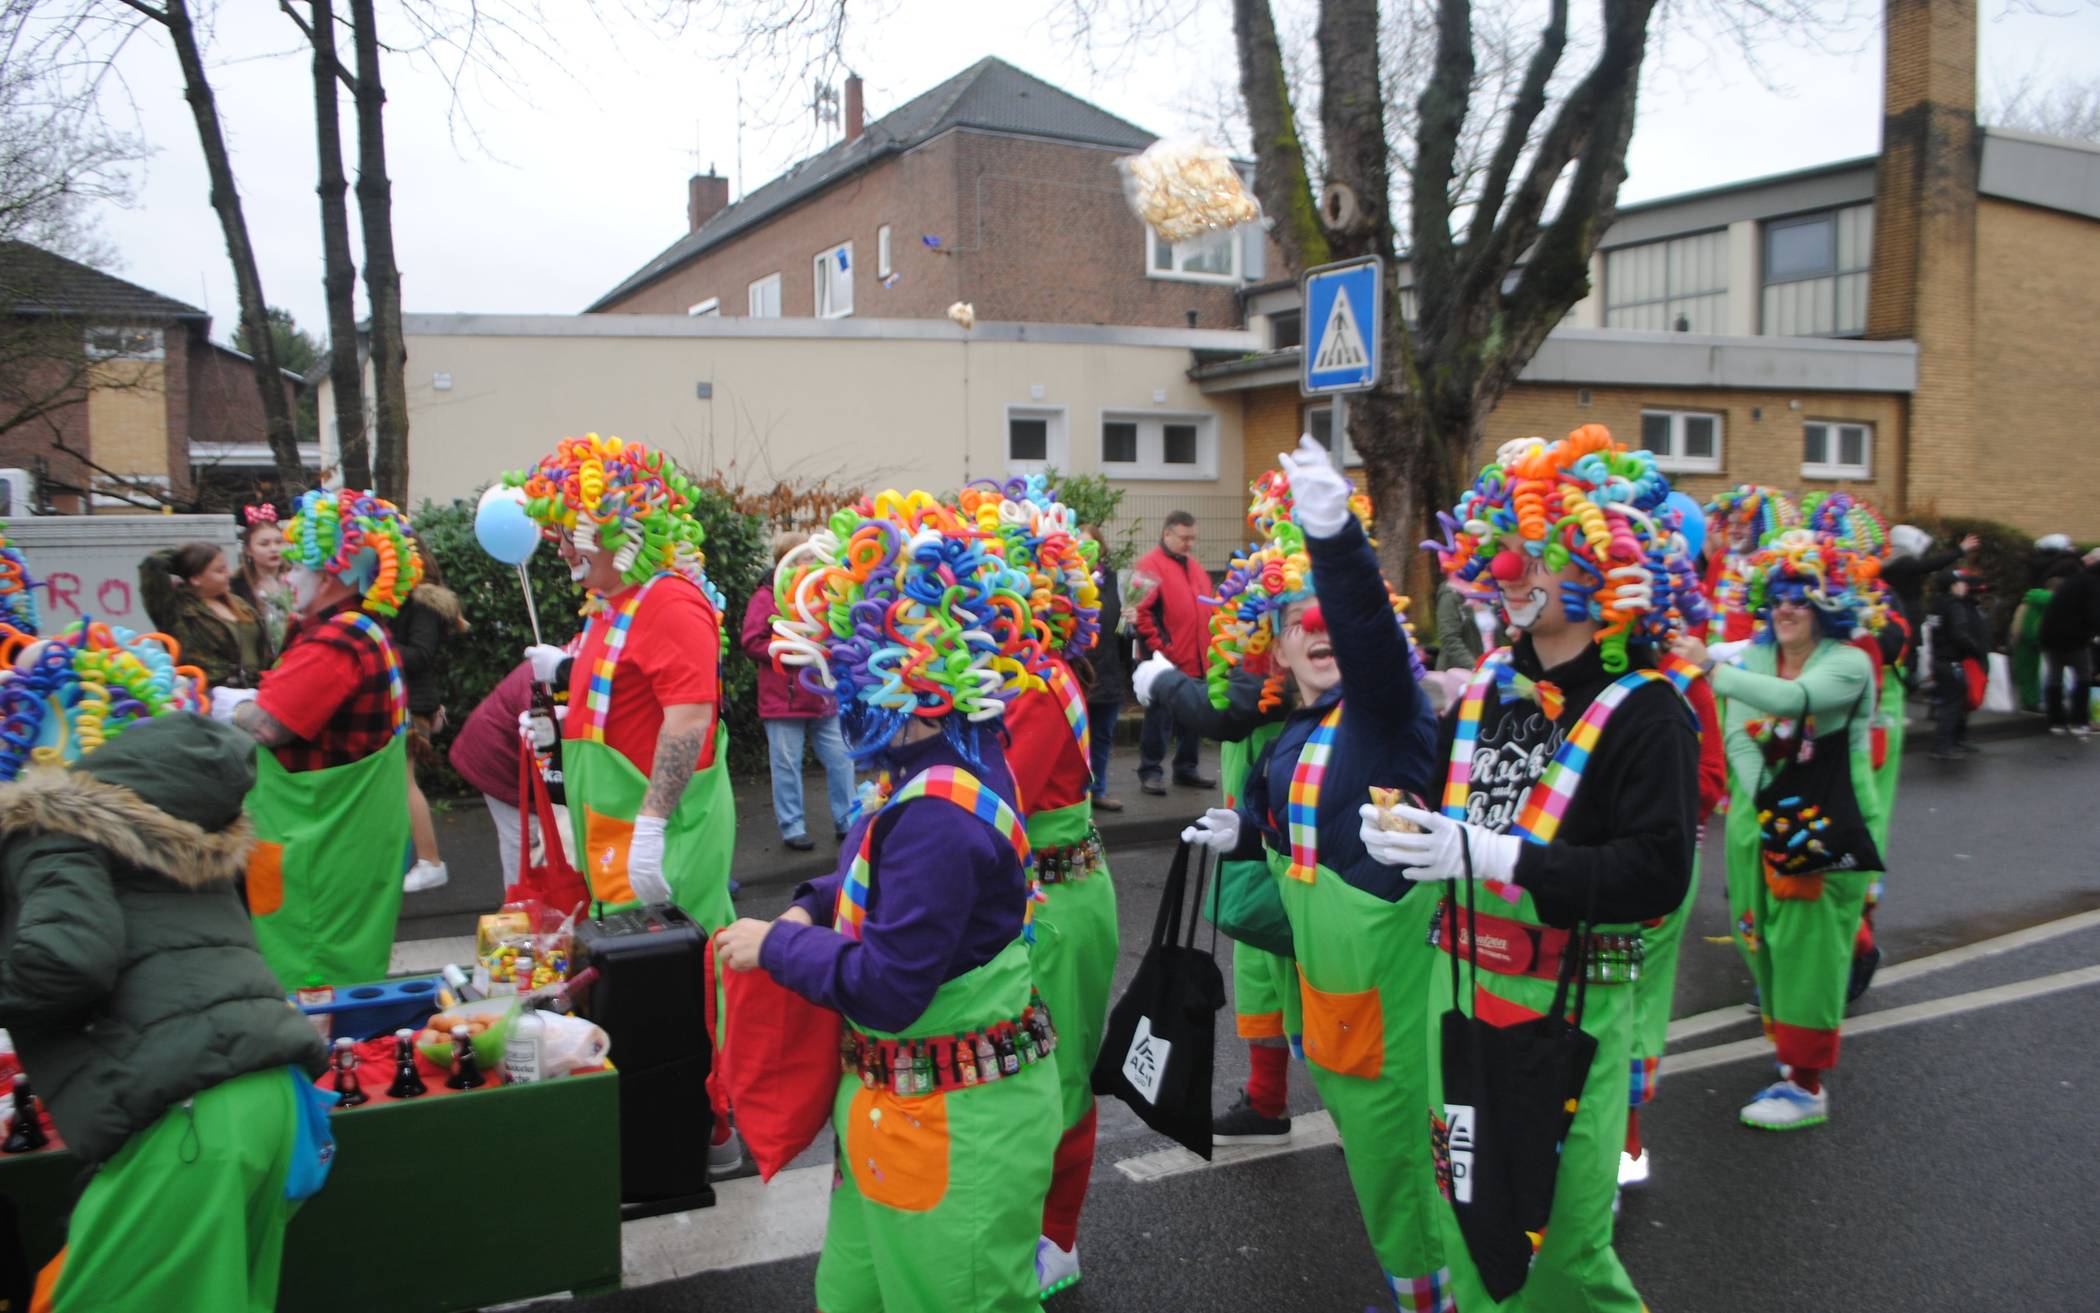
x=525 y=582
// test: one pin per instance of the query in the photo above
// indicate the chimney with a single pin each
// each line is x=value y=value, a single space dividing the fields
x=706 y=196
x=1922 y=283
x=856 y=111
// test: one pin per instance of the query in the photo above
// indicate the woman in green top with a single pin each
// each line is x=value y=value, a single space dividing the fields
x=2027 y=639
x=189 y=593
x=1795 y=932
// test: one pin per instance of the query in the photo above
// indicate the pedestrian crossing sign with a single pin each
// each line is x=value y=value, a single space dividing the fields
x=1343 y=307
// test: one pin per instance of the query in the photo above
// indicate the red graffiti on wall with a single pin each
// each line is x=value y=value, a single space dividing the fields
x=62 y=588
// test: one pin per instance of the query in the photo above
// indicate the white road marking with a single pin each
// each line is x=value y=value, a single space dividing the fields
x=1312 y=1130
x=1702 y=1023
x=1930 y=1010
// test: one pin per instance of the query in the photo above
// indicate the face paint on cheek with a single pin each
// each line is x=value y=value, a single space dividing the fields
x=305 y=583
x=1524 y=614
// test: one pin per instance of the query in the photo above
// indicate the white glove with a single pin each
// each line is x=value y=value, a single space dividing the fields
x=226 y=701
x=546 y=661
x=645 y=861
x=1435 y=853
x=1725 y=654
x=1319 y=493
x=1147 y=674
x=1217 y=829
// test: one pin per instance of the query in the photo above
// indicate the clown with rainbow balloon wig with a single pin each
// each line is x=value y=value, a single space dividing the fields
x=644 y=750
x=928 y=623
x=1569 y=807
x=1800 y=866
x=1075 y=938
x=330 y=802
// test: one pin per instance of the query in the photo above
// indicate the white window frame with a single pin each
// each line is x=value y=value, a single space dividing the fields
x=1231 y=236
x=822 y=278
x=1674 y=460
x=711 y=308
x=882 y=251
x=1833 y=468
x=1151 y=462
x=136 y=349
x=758 y=288
x=1348 y=456
x=1057 y=445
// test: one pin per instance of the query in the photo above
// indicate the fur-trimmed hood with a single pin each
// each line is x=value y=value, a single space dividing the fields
x=443 y=601
x=46 y=801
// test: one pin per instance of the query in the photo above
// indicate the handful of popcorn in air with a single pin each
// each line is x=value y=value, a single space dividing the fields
x=1186 y=188
x=962 y=312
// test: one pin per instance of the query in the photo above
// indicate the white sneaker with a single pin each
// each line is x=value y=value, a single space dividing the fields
x=1785 y=1106
x=726 y=1156
x=2059 y=730
x=1055 y=1269
x=2081 y=731
x=424 y=875
x=1633 y=1170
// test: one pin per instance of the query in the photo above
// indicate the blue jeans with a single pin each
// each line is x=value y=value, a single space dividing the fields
x=1101 y=733
x=1152 y=743
x=784 y=739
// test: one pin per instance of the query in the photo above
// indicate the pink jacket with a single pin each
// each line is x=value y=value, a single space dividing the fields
x=780 y=696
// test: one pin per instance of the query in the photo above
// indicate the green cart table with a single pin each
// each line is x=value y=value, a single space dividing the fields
x=436 y=1205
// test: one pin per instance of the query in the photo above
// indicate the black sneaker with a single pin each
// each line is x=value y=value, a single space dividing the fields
x=1241 y=1124
x=1863 y=967
x=1196 y=781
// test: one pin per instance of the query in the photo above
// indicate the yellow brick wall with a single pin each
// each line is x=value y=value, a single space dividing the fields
x=1761 y=449
x=2037 y=319
x=128 y=418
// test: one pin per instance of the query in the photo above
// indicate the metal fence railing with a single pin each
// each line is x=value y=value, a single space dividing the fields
x=1221 y=523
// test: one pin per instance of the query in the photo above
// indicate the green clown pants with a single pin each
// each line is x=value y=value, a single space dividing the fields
x=1576 y=1270
x=1655 y=990
x=189 y=1214
x=938 y=1197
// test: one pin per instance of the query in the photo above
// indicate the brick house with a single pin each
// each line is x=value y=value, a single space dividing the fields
x=994 y=188
x=1911 y=326
x=112 y=395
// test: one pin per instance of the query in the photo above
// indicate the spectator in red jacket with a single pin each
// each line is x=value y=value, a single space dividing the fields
x=1164 y=587
x=794 y=715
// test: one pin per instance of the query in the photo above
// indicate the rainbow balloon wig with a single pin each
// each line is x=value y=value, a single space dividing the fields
x=17 y=590
x=1824 y=570
x=1022 y=521
x=902 y=609
x=361 y=539
x=621 y=497
x=62 y=698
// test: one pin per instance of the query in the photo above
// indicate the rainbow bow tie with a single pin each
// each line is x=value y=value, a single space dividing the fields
x=1544 y=692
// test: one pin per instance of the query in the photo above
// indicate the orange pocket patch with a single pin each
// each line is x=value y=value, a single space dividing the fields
x=898 y=1148
x=1345 y=1033
x=606 y=840
x=1795 y=888
x=265 y=878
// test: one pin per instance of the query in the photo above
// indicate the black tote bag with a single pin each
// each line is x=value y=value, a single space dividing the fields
x=1809 y=820
x=1156 y=1054
x=1510 y=1095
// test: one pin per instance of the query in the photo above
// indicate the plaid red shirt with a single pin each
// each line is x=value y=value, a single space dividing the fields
x=330 y=689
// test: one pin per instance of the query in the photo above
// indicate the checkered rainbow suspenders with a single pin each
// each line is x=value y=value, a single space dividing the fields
x=597 y=697
x=1072 y=699
x=1547 y=803
x=1301 y=810
x=396 y=686
x=952 y=784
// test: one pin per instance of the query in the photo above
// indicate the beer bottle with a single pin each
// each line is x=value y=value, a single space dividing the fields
x=467 y=1076
x=26 y=1135
x=546 y=742
x=900 y=1070
x=1009 y=1056
x=1046 y=1034
x=1024 y=1043
x=962 y=1061
x=408 y=1082
x=922 y=1065
x=346 y=1083
x=987 y=1058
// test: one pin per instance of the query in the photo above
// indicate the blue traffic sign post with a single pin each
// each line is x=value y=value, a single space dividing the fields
x=1343 y=318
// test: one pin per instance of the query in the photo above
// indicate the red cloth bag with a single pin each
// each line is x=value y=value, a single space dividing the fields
x=776 y=1064
x=553 y=882
x=1979 y=677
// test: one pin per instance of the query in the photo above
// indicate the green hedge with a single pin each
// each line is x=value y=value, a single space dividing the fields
x=738 y=561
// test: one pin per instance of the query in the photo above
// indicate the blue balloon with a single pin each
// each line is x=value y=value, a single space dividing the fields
x=502 y=527
x=1694 y=524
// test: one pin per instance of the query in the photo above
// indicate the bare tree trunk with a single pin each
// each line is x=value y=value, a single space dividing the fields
x=382 y=277
x=226 y=199
x=338 y=270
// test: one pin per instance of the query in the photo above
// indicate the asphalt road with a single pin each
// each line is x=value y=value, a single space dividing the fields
x=1961 y=1168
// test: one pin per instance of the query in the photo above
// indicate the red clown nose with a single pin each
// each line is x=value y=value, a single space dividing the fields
x=1507 y=566
x=1310 y=619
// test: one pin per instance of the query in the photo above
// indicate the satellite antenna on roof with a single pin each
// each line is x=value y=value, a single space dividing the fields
x=824 y=105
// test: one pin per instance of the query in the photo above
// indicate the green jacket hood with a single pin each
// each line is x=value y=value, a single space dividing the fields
x=189 y=766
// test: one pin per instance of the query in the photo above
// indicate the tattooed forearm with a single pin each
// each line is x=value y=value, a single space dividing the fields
x=673 y=770
x=265 y=728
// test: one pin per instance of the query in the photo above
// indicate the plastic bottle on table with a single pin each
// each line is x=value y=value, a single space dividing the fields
x=525 y=1052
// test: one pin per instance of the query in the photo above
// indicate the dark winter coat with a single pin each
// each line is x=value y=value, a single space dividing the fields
x=1111 y=682
x=2073 y=617
x=430 y=616
x=129 y=977
x=1959 y=631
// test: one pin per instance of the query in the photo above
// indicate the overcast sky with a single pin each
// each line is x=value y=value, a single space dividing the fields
x=579 y=173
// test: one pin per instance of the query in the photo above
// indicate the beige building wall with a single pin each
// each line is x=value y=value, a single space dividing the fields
x=2037 y=318
x=905 y=411
x=128 y=417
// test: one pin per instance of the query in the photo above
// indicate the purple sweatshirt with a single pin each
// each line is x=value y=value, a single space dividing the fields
x=946 y=896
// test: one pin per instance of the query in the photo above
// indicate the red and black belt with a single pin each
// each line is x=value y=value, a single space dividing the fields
x=939 y=1063
x=1072 y=861
x=1518 y=948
